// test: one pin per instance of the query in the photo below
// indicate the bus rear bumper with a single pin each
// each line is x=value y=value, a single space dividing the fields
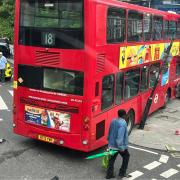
x=69 y=140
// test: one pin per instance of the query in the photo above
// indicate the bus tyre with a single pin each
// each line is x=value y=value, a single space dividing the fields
x=177 y=90
x=130 y=121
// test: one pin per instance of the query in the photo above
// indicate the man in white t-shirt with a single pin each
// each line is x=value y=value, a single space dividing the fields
x=3 y=62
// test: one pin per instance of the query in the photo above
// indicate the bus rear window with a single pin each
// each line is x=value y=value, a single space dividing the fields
x=51 y=79
x=64 y=81
x=51 y=23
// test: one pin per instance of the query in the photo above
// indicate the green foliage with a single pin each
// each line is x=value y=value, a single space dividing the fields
x=7 y=19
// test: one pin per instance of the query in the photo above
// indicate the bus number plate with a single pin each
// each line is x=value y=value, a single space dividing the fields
x=46 y=139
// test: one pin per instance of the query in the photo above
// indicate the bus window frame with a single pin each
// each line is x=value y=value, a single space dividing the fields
x=178 y=29
x=153 y=27
x=124 y=95
x=166 y=33
x=177 y=63
x=113 y=91
x=153 y=64
x=115 y=9
x=151 y=24
x=170 y=31
x=147 y=76
x=122 y=92
x=128 y=24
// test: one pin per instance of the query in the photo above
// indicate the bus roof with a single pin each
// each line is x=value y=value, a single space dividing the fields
x=165 y=14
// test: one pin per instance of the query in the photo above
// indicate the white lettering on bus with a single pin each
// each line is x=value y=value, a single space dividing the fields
x=76 y=100
x=47 y=92
x=48 y=100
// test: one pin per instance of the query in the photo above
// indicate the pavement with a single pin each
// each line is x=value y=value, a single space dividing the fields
x=160 y=129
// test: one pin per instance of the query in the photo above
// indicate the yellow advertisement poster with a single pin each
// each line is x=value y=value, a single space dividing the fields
x=134 y=55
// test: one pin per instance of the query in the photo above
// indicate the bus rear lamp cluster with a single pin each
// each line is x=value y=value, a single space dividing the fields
x=86 y=123
x=86 y=120
x=86 y=127
x=85 y=142
x=61 y=142
x=14 y=108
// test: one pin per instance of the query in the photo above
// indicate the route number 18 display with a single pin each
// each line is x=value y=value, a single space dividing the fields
x=48 y=39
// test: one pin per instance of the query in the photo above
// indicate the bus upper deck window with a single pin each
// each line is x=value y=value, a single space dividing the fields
x=172 y=29
x=147 y=27
x=116 y=25
x=178 y=29
x=166 y=29
x=135 y=27
x=53 y=24
x=157 y=27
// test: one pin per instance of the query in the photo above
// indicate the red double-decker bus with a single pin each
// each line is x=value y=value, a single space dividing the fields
x=77 y=62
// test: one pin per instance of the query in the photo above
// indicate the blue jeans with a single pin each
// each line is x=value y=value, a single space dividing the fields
x=2 y=75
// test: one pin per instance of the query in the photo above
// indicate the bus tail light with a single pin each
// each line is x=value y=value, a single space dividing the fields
x=14 y=108
x=86 y=123
x=85 y=142
x=86 y=120
x=61 y=142
x=86 y=127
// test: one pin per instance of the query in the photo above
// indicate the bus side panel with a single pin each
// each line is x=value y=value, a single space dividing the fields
x=99 y=131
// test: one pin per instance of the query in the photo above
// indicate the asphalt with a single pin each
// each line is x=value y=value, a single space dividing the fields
x=161 y=129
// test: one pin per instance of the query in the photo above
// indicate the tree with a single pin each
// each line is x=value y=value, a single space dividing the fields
x=7 y=18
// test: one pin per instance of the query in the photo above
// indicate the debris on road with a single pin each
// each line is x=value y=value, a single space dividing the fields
x=172 y=150
x=55 y=178
x=177 y=132
x=2 y=140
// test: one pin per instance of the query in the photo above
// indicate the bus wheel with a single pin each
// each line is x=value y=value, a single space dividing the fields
x=177 y=90
x=130 y=121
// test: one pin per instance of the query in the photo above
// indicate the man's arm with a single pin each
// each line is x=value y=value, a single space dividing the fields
x=109 y=131
x=5 y=60
x=120 y=138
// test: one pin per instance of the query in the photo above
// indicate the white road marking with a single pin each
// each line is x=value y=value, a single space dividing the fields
x=11 y=92
x=163 y=158
x=145 y=150
x=135 y=174
x=2 y=104
x=178 y=165
x=1 y=119
x=169 y=173
x=152 y=165
x=153 y=179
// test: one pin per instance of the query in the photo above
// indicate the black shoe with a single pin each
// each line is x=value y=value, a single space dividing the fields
x=110 y=176
x=125 y=175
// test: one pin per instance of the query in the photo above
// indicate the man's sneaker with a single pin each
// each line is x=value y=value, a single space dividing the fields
x=110 y=176
x=125 y=175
